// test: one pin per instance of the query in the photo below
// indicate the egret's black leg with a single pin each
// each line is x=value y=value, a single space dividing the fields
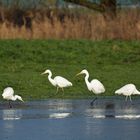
x=93 y=101
x=10 y=106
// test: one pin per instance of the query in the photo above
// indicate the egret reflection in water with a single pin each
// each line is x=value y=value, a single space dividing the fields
x=108 y=111
x=72 y=108
x=11 y=114
x=128 y=113
x=59 y=115
x=71 y=119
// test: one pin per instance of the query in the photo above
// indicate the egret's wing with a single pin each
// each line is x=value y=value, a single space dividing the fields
x=97 y=86
x=129 y=88
x=62 y=82
x=8 y=92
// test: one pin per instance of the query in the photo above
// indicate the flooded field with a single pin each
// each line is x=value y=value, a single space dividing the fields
x=71 y=120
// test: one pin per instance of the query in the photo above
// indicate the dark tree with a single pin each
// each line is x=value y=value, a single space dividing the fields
x=107 y=7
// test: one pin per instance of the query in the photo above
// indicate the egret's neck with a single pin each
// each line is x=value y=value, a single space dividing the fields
x=50 y=78
x=86 y=80
x=137 y=92
x=15 y=97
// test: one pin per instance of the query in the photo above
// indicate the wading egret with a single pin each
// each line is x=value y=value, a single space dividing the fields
x=95 y=85
x=128 y=90
x=58 y=81
x=8 y=94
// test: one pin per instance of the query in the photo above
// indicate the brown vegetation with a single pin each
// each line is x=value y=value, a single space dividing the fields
x=64 y=24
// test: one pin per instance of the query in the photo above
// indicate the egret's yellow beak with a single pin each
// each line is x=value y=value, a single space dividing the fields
x=22 y=100
x=43 y=73
x=78 y=74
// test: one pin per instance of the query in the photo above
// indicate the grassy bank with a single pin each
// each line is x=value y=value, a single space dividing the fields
x=114 y=63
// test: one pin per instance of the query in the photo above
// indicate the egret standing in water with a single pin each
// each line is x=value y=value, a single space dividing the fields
x=8 y=94
x=95 y=85
x=58 y=81
x=128 y=90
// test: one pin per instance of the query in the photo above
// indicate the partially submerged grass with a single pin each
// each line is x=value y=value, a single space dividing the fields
x=114 y=63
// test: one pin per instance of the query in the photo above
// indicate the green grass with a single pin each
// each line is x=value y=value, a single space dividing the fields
x=114 y=63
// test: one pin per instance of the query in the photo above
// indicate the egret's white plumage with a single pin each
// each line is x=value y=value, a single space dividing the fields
x=58 y=81
x=128 y=90
x=8 y=94
x=95 y=85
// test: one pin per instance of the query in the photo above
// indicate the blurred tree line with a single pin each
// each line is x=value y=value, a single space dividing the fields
x=59 y=3
x=22 y=12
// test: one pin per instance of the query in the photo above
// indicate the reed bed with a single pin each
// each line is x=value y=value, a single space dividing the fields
x=72 y=25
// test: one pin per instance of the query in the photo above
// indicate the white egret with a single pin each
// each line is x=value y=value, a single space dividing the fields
x=95 y=85
x=128 y=90
x=8 y=94
x=58 y=81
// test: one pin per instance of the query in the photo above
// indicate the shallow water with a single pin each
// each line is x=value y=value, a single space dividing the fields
x=70 y=120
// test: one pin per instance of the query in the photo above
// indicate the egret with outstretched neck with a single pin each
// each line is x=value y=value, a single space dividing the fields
x=128 y=90
x=95 y=85
x=8 y=94
x=58 y=81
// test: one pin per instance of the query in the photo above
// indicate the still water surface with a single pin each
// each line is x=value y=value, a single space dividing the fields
x=108 y=119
